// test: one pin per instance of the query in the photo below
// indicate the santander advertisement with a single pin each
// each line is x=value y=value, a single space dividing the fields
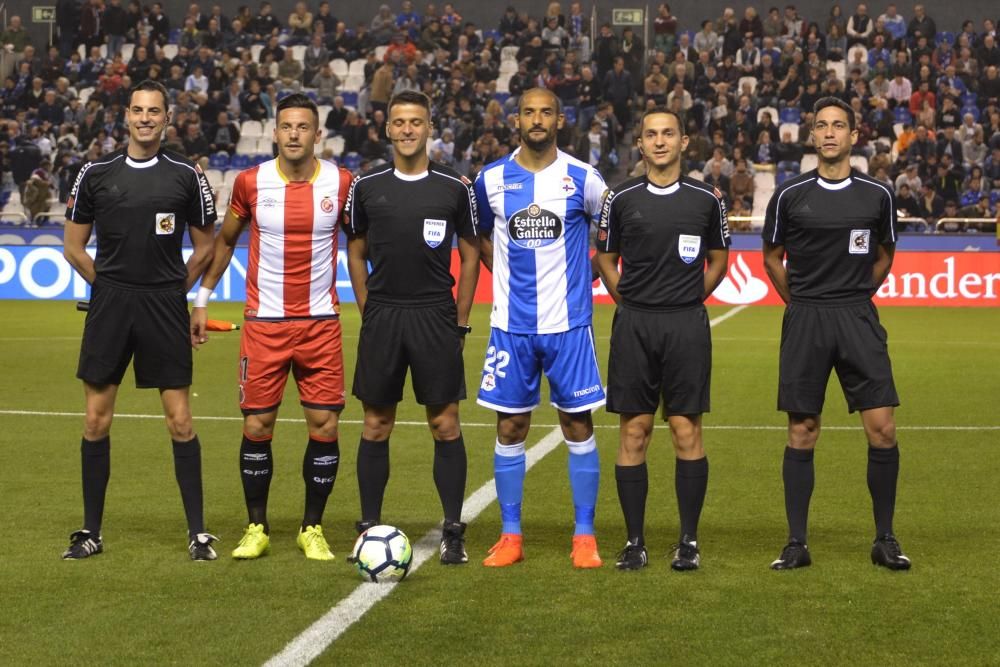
x=918 y=278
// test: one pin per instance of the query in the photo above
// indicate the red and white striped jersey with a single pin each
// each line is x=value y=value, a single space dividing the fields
x=292 y=268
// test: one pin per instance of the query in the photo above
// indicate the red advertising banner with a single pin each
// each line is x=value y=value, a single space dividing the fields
x=917 y=279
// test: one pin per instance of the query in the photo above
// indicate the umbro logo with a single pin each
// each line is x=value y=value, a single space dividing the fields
x=325 y=460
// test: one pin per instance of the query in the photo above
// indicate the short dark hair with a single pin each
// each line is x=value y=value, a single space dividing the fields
x=831 y=101
x=150 y=85
x=297 y=101
x=664 y=110
x=410 y=97
x=555 y=98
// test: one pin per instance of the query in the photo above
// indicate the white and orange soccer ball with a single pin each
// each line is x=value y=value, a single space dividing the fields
x=382 y=554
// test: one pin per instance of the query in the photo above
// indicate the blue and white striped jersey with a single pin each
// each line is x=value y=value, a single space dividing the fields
x=541 y=251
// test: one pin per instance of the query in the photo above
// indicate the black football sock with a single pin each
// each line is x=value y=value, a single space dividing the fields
x=690 y=483
x=319 y=472
x=449 y=476
x=633 y=486
x=187 y=470
x=256 y=470
x=799 y=477
x=95 y=459
x=883 y=471
x=373 y=475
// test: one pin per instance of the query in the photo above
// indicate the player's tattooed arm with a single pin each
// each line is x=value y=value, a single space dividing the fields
x=718 y=262
x=774 y=256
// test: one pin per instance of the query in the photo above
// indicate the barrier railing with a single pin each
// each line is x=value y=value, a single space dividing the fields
x=964 y=222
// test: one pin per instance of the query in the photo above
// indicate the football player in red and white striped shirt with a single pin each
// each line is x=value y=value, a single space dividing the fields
x=292 y=205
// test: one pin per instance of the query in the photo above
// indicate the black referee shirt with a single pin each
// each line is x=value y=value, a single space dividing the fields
x=831 y=231
x=410 y=223
x=140 y=209
x=663 y=236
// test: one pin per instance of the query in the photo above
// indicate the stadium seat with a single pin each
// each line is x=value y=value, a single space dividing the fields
x=282 y=94
x=230 y=177
x=994 y=198
x=809 y=162
x=969 y=99
x=770 y=110
x=508 y=66
x=903 y=115
x=752 y=80
x=268 y=130
x=255 y=50
x=214 y=177
x=790 y=127
x=265 y=146
x=324 y=111
x=972 y=110
x=251 y=128
x=260 y=157
x=127 y=50
x=339 y=67
x=13 y=213
x=354 y=83
x=246 y=146
x=696 y=175
x=857 y=48
x=897 y=129
x=174 y=36
x=299 y=52
x=508 y=53
x=501 y=97
x=219 y=160
x=170 y=51
x=860 y=162
x=947 y=37
x=570 y=112
x=239 y=161
x=350 y=98
x=380 y=52
x=839 y=68
x=352 y=161
x=356 y=68
x=85 y=94
x=335 y=144
x=790 y=115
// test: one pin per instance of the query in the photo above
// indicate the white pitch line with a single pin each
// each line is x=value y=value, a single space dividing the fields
x=315 y=639
x=358 y=422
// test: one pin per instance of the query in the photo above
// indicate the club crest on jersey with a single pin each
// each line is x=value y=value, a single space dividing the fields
x=326 y=204
x=434 y=231
x=688 y=247
x=165 y=224
x=859 y=241
x=534 y=227
x=568 y=186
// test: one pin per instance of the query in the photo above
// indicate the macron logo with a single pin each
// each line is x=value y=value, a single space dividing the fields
x=740 y=286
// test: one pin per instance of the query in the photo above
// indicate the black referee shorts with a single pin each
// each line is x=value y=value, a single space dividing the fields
x=660 y=356
x=152 y=325
x=424 y=339
x=850 y=339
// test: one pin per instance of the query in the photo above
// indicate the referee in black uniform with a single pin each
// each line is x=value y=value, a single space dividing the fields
x=141 y=199
x=665 y=228
x=402 y=218
x=836 y=227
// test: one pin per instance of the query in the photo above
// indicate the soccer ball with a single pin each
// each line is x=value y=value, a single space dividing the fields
x=382 y=554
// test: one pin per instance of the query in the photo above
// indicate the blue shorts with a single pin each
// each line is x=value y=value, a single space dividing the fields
x=512 y=373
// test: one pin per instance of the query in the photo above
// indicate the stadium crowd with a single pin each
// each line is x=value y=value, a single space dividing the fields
x=928 y=100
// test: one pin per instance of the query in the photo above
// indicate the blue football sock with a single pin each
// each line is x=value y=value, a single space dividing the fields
x=584 y=479
x=508 y=472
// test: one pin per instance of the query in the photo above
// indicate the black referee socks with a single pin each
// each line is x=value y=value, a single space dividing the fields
x=883 y=471
x=256 y=470
x=690 y=483
x=373 y=475
x=187 y=469
x=450 y=467
x=319 y=472
x=799 y=477
x=633 y=487
x=95 y=460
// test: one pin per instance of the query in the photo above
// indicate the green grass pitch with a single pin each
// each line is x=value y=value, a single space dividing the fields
x=144 y=602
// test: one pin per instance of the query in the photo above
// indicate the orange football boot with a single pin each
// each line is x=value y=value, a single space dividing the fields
x=584 y=553
x=506 y=551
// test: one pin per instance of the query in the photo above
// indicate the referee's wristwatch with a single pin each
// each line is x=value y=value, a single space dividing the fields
x=463 y=329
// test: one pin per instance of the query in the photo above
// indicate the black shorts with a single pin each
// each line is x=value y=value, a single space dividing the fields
x=660 y=356
x=424 y=339
x=850 y=339
x=152 y=325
